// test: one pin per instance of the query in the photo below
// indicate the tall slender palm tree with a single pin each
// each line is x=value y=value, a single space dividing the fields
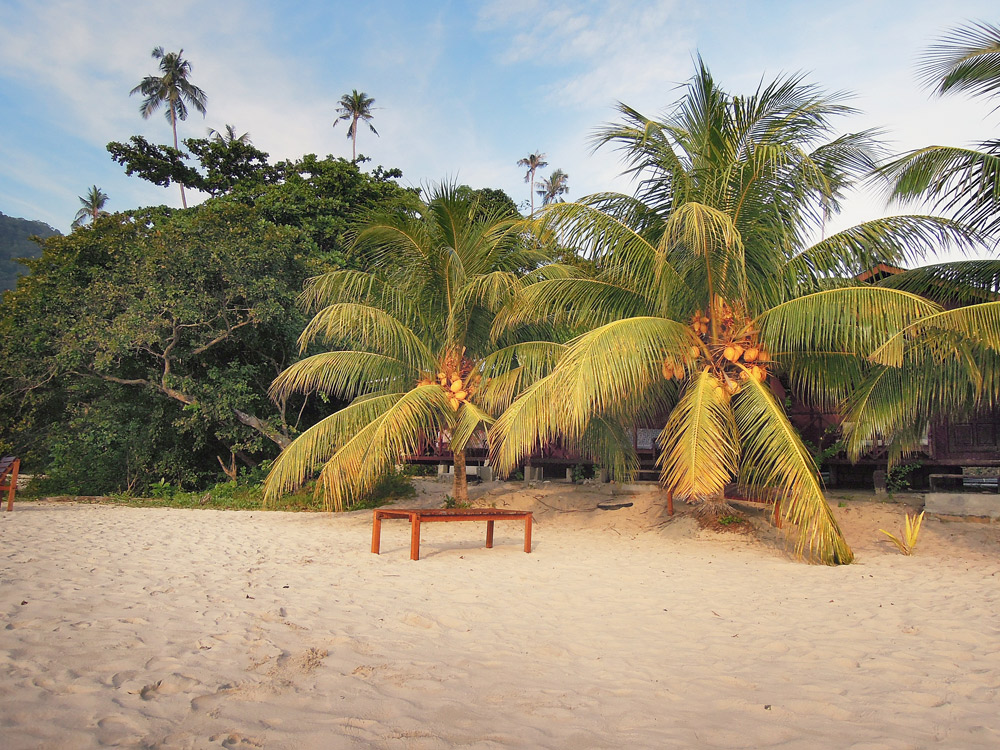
x=532 y=162
x=709 y=294
x=355 y=106
x=410 y=345
x=551 y=189
x=91 y=206
x=173 y=90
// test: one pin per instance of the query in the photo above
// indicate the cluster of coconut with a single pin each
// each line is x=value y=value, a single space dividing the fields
x=752 y=358
x=457 y=390
x=699 y=323
x=455 y=377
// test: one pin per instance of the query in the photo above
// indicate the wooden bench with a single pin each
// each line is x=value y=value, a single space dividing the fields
x=9 y=467
x=420 y=516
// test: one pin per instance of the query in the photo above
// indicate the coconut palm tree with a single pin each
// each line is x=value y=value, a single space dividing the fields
x=532 y=162
x=410 y=345
x=709 y=294
x=173 y=90
x=552 y=189
x=947 y=362
x=228 y=136
x=91 y=206
x=355 y=106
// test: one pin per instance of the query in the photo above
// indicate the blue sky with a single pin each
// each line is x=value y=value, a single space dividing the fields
x=462 y=89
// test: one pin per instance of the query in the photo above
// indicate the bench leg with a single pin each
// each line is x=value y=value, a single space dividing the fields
x=414 y=537
x=489 y=535
x=376 y=533
x=777 y=513
x=527 y=533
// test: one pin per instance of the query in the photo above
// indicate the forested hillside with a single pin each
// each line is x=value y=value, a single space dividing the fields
x=14 y=243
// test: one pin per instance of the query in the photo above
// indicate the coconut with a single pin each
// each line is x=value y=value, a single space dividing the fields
x=739 y=350
x=454 y=402
x=462 y=395
x=751 y=354
x=456 y=385
x=759 y=373
x=729 y=353
x=667 y=369
x=704 y=319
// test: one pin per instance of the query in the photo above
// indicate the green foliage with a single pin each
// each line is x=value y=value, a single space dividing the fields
x=897 y=479
x=143 y=347
x=730 y=520
x=220 y=165
x=579 y=474
x=16 y=242
x=393 y=486
x=451 y=503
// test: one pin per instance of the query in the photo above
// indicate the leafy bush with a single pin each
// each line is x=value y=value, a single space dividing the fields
x=395 y=486
x=897 y=479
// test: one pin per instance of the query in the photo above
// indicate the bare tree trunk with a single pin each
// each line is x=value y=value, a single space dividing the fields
x=461 y=488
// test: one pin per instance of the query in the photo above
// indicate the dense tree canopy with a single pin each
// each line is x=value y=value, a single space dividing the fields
x=184 y=315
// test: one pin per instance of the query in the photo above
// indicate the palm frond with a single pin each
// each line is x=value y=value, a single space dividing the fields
x=894 y=241
x=576 y=303
x=895 y=406
x=310 y=450
x=701 y=242
x=376 y=448
x=978 y=324
x=854 y=320
x=343 y=374
x=774 y=459
x=962 y=182
x=367 y=327
x=470 y=419
x=699 y=445
x=967 y=60
x=956 y=283
x=360 y=287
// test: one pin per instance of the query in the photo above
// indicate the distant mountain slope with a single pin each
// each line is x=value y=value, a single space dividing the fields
x=14 y=243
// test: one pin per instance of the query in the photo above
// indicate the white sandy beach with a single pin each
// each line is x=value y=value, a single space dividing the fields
x=163 y=628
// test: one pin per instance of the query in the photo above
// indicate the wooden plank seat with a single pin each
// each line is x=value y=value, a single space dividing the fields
x=9 y=467
x=419 y=516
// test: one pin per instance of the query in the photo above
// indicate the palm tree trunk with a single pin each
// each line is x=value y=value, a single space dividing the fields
x=461 y=487
x=531 y=192
x=354 y=139
x=173 y=124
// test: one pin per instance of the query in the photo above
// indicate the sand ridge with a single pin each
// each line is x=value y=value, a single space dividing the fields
x=132 y=627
